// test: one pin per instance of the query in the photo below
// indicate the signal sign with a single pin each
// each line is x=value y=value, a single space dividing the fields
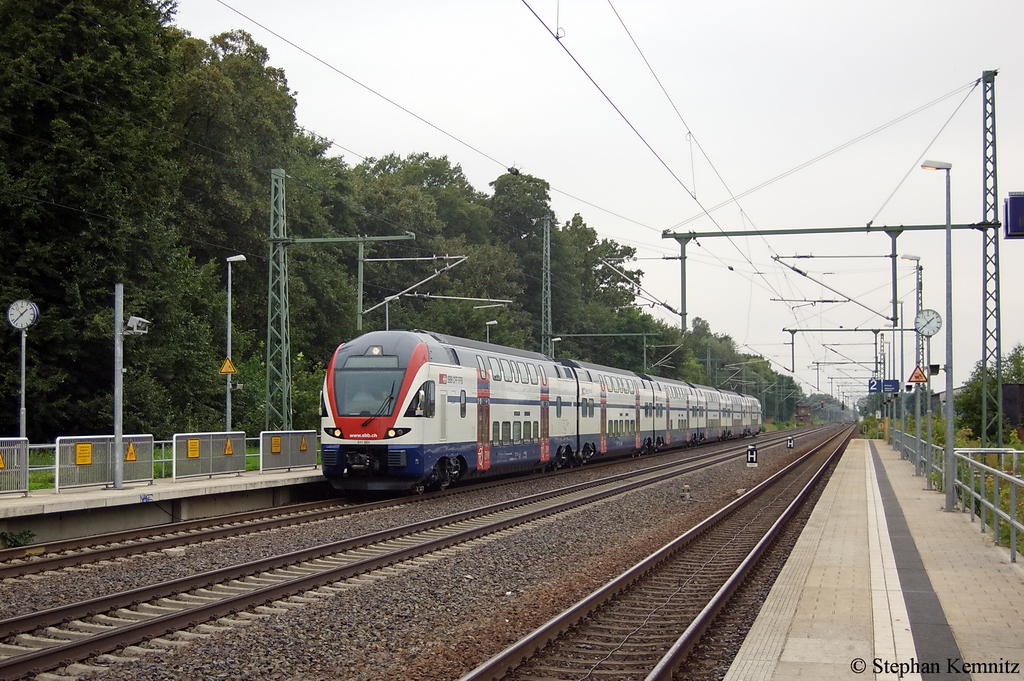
x=227 y=367
x=918 y=376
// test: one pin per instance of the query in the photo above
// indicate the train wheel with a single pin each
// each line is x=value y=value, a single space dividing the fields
x=447 y=471
x=588 y=452
x=559 y=459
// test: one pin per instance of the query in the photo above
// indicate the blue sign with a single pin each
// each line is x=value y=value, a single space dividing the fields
x=887 y=386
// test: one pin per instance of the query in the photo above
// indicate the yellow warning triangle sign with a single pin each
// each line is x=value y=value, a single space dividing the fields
x=918 y=376
x=227 y=447
x=227 y=367
x=130 y=456
x=2 y=464
x=302 y=444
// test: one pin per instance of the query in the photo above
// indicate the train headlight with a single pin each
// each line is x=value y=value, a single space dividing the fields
x=395 y=432
x=335 y=432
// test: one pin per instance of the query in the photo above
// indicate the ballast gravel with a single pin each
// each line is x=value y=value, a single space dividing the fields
x=437 y=620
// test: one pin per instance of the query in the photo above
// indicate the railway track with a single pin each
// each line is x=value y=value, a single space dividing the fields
x=643 y=624
x=20 y=561
x=63 y=636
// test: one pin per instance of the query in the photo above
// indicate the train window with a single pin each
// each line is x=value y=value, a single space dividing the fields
x=482 y=367
x=453 y=356
x=558 y=407
x=517 y=431
x=423 y=402
x=495 y=369
x=526 y=431
x=543 y=375
x=506 y=371
x=531 y=369
x=524 y=373
x=495 y=432
x=506 y=432
x=462 y=404
x=536 y=431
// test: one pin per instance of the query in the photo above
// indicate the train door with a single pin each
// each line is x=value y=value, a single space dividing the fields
x=545 y=416
x=483 y=417
x=604 y=414
x=668 y=414
x=442 y=424
x=636 y=411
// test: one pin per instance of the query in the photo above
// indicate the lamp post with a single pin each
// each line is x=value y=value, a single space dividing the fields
x=948 y=458
x=553 y=341
x=227 y=388
x=488 y=326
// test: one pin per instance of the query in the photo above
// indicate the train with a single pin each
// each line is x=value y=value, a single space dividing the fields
x=413 y=410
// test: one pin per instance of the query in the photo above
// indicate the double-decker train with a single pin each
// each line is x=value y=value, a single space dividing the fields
x=415 y=410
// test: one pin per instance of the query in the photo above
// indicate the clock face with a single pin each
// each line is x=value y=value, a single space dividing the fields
x=928 y=322
x=22 y=314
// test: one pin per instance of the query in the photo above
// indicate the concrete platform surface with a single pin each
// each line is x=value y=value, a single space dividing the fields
x=883 y=584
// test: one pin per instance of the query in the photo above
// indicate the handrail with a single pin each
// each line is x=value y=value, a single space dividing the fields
x=977 y=485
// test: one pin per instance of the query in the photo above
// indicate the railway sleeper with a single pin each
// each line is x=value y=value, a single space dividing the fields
x=168 y=644
x=157 y=610
x=112 y=621
x=89 y=628
x=79 y=668
x=36 y=642
x=67 y=634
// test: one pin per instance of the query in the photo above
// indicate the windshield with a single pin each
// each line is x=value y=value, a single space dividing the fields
x=366 y=392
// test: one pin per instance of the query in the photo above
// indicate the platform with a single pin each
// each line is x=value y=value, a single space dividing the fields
x=83 y=511
x=883 y=584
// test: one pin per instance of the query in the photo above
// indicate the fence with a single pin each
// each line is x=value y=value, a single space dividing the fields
x=199 y=454
x=987 y=483
x=82 y=461
x=36 y=468
x=287 y=449
x=14 y=464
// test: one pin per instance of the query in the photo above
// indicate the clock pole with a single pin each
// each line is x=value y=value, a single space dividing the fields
x=22 y=414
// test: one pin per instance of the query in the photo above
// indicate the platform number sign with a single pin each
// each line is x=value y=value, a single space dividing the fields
x=876 y=385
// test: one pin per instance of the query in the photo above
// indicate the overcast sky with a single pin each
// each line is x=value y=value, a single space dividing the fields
x=646 y=115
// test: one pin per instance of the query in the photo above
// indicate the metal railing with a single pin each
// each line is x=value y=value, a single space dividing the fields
x=42 y=464
x=987 y=483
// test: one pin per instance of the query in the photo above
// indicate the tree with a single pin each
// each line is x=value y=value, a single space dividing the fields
x=967 y=405
x=87 y=176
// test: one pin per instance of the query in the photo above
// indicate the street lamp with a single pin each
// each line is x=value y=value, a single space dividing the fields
x=553 y=341
x=948 y=458
x=488 y=326
x=227 y=375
